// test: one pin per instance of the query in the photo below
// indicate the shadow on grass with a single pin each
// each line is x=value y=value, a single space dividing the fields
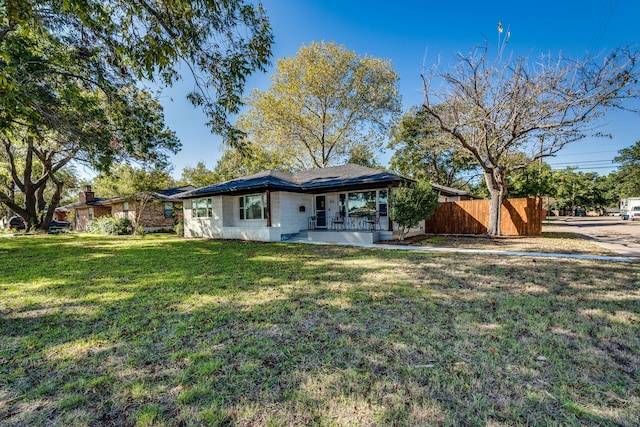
x=161 y=330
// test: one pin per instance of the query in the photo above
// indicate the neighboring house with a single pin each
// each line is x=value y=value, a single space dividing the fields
x=448 y=194
x=162 y=211
x=86 y=208
x=337 y=204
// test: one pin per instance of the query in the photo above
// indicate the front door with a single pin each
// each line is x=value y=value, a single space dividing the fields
x=321 y=211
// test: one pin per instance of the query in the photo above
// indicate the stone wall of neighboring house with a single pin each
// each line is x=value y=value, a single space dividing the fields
x=82 y=216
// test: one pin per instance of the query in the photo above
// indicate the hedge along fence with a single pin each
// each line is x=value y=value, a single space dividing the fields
x=519 y=217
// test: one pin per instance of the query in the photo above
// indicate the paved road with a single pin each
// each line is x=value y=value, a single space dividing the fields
x=611 y=233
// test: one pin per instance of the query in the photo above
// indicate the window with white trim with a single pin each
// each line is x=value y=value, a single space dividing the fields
x=253 y=207
x=202 y=208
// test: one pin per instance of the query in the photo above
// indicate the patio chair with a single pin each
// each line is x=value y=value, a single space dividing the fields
x=337 y=222
x=312 y=223
x=373 y=221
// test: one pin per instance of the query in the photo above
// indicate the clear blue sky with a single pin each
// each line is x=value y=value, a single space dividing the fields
x=403 y=31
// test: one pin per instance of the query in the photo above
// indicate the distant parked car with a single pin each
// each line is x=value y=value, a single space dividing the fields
x=57 y=226
x=634 y=213
x=16 y=223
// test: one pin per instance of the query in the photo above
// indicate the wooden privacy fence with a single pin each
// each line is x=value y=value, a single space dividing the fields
x=520 y=217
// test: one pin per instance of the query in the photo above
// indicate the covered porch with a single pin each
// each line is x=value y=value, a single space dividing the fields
x=353 y=228
x=348 y=236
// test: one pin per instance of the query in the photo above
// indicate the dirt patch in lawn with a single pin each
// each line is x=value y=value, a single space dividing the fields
x=549 y=242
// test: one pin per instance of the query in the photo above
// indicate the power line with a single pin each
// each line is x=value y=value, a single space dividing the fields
x=602 y=25
x=584 y=162
x=588 y=168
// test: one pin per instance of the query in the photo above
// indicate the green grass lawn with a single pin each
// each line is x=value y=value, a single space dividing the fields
x=164 y=331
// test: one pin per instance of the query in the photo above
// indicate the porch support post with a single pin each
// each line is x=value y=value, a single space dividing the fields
x=268 y=208
x=390 y=226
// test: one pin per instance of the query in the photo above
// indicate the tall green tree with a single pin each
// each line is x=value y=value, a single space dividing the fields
x=220 y=42
x=423 y=151
x=491 y=107
x=198 y=176
x=70 y=74
x=574 y=189
x=363 y=155
x=533 y=181
x=236 y=163
x=628 y=173
x=55 y=114
x=323 y=102
x=127 y=180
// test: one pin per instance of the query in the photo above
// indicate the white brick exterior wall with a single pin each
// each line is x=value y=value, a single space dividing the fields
x=290 y=219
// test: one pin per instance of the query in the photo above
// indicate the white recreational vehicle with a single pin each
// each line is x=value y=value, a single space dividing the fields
x=630 y=208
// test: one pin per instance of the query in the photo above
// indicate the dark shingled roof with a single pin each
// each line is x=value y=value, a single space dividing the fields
x=98 y=201
x=449 y=191
x=344 y=177
x=170 y=192
x=168 y=195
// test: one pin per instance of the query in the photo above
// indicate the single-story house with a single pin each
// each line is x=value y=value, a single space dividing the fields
x=336 y=204
x=449 y=194
x=160 y=213
x=85 y=209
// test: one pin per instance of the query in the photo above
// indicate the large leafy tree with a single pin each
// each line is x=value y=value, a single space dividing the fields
x=422 y=150
x=70 y=73
x=533 y=181
x=628 y=173
x=323 y=103
x=235 y=163
x=220 y=42
x=127 y=180
x=59 y=107
x=573 y=189
x=494 y=107
x=198 y=175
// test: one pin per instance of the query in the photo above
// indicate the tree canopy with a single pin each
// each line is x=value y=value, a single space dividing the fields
x=533 y=181
x=127 y=180
x=629 y=171
x=198 y=176
x=323 y=103
x=573 y=189
x=422 y=150
x=220 y=42
x=492 y=108
x=71 y=75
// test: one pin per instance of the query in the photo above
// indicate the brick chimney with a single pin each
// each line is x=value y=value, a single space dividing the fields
x=86 y=195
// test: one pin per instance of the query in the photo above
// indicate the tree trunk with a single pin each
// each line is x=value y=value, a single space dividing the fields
x=497 y=185
x=53 y=204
